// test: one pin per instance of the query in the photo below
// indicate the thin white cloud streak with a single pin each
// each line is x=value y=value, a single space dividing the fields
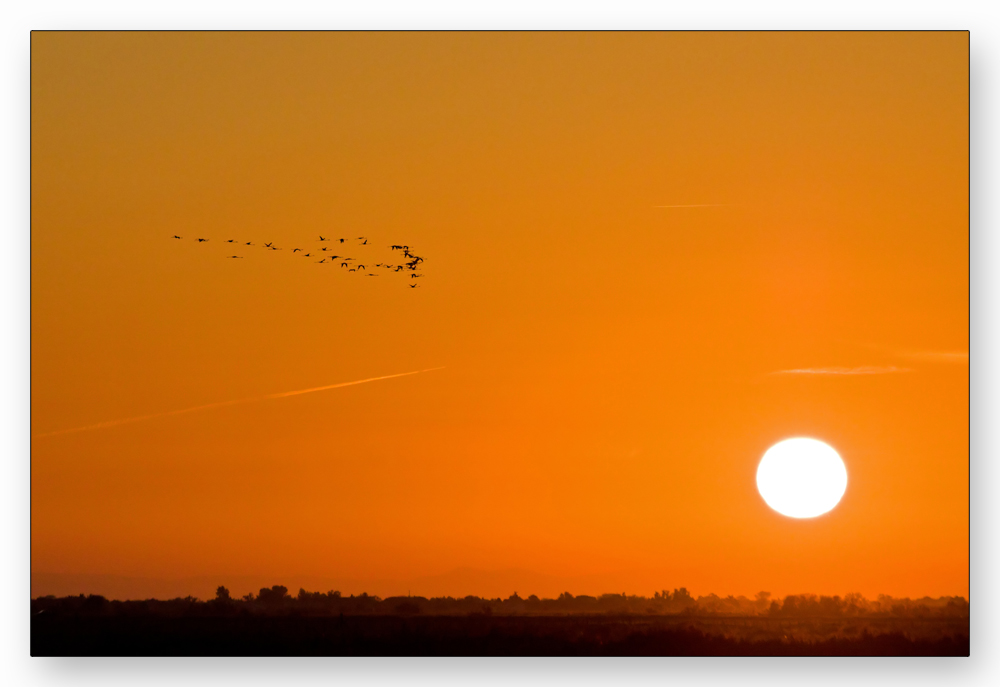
x=959 y=357
x=863 y=370
x=221 y=404
x=700 y=205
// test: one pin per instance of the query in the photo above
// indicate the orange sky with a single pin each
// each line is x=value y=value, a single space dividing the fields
x=608 y=385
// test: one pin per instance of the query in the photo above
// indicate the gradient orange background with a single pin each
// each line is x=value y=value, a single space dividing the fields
x=608 y=386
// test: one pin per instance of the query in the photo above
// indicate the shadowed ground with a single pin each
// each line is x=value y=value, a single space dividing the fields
x=92 y=626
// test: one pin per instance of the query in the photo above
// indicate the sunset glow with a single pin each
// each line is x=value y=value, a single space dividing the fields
x=475 y=313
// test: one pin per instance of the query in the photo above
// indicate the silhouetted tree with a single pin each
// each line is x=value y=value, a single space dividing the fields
x=830 y=605
x=222 y=594
x=95 y=603
x=682 y=597
x=274 y=595
x=790 y=606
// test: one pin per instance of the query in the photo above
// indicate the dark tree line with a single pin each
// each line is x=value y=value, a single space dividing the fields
x=276 y=600
x=670 y=623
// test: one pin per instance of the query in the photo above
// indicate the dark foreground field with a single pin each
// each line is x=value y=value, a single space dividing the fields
x=576 y=635
x=273 y=623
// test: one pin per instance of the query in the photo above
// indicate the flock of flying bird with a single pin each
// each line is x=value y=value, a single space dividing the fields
x=408 y=265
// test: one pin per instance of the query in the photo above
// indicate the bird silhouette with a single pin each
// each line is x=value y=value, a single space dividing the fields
x=411 y=264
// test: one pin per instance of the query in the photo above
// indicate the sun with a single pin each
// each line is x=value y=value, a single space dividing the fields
x=801 y=478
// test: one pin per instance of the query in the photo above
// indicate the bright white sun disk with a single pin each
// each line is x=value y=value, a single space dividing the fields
x=801 y=478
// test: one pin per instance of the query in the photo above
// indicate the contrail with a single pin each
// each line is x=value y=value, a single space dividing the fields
x=937 y=356
x=283 y=394
x=702 y=205
x=863 y=370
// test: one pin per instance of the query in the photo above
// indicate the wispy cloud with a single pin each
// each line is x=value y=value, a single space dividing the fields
x=952 y=357
x=863 y=370
x=221 y=404
x=698 y=205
